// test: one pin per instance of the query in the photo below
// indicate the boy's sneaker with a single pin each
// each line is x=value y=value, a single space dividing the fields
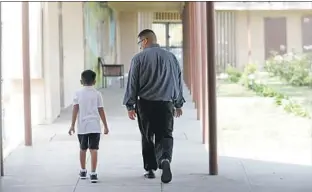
x=83 y=174
x=93 y=178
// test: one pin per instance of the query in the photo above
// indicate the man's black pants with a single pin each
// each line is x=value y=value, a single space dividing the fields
x=155 y=119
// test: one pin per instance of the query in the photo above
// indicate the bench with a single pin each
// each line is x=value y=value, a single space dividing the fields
x=111 y=70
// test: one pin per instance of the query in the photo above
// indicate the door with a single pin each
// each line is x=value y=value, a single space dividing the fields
x=306 y=29
x=275 y=36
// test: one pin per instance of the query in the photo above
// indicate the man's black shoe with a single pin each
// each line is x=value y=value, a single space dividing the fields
x=166 y=175
x=149 y=174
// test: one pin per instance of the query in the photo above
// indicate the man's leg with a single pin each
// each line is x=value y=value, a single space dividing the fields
x=94 y=140
x=164 y=140
x=148 y=147
x=83 y=140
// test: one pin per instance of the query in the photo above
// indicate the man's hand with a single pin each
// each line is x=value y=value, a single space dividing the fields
x=71 y=130
x=132 y=114
x=106 y=130
x=178 y=112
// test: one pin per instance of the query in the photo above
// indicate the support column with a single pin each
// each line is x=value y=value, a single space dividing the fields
x=195 y=55
x=212 y=103
x=187 y=44
x=184 y=44
x=145 y=20
x=198 y=60
x=1 y=127
x=192 y=51
x=26 y=74
x=204 y=86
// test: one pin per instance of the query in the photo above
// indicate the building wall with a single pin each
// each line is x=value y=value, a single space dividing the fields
x=127 y=27
x=12 y=69
x=294 y=37
x=44 y=63
x=73 y=55
x=73 y=48
x=51 y=60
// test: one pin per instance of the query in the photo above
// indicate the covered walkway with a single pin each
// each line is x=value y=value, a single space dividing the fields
x=52 y=165
x=201 y=160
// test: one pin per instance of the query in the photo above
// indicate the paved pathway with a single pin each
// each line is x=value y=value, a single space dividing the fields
x=52 y=165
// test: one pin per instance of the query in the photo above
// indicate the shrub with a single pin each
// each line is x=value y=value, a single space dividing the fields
x=292 y=67
x=234 y=74
x=279 y=98
x=249 y=75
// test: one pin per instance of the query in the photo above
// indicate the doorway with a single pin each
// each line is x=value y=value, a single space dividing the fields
x=275 y=36
x=306 y=28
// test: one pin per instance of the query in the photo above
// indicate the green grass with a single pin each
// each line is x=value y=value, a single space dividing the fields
x=228 y=89
x=302 y=94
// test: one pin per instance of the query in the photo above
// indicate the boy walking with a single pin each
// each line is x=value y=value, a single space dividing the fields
x=88 y=106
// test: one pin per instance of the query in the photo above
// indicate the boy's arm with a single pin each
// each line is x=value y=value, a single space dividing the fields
x=74 y=115
x=75 y=111
x=103 y=117
x=101 y=111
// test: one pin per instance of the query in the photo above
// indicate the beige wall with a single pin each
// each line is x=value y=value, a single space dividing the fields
x=45 y=87
x=257 y=33
x=73 y=48
x=73 y=52
x=127 y=28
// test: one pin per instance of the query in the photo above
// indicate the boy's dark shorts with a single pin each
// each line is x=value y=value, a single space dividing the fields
x=89 y=141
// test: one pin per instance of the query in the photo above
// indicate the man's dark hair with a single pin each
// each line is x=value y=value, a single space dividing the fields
x=148 y=34
x=88 y=77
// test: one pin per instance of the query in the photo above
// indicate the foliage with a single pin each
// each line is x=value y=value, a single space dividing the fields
x=280 y=99
x=249 y=74
x=294 y=68
x=234 y=74
x=250 y=69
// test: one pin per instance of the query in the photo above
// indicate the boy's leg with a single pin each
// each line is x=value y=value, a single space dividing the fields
x=83 y=140
x=83 y=156
x=94 y=141
x=94 y=157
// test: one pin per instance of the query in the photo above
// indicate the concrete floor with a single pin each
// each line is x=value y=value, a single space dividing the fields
x=52 y=164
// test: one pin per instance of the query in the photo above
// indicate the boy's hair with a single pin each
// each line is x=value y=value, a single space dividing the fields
x=88 y=77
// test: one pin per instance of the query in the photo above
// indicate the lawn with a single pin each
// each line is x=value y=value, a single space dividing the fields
x=228 y=89
x=300 y=94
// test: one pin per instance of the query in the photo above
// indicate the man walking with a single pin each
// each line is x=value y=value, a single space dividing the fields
x=154 y=94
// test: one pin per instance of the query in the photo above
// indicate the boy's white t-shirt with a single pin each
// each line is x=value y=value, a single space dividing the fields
x=89 y=100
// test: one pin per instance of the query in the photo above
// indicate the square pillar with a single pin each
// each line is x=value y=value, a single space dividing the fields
x=212 y=103
x=192 y=53
x=204 y=86
x=198 y=59
x=186 y=42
